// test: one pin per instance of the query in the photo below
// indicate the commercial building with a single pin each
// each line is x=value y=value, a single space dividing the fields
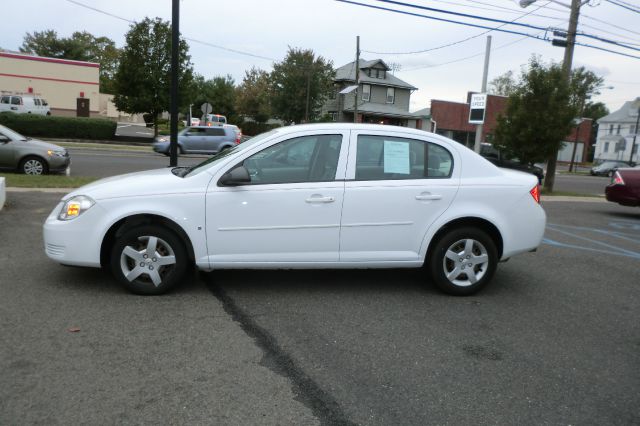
x=72 y=88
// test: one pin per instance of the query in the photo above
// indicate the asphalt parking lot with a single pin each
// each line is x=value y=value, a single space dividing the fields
x=555 y=339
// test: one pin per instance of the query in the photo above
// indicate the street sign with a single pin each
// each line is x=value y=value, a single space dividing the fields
x=206 y=108
x=477 y=108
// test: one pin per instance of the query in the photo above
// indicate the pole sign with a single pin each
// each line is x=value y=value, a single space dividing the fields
x=477 y=108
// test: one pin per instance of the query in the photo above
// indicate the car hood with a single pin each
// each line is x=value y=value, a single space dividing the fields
x=146 y=183
x=45 y=146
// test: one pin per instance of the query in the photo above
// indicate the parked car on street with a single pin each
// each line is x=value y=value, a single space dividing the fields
x=334 y=195
x=498 y=158
x=200 y=140
x=608 y=168
x=24 y=104
x=30 y=156
x=625 y=187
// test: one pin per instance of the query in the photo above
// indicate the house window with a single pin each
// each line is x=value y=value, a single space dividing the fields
x=606 y=146
x=610 y=129
x=333 y=115
x=366 y=92
x=618 y=130
x=391 y=95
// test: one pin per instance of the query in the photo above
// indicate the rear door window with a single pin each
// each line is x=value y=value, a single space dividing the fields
x=392 y=158
x=16 y=100
x=215 y=131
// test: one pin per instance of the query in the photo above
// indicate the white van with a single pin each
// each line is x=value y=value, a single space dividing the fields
x=214 y=120
x=24 y=104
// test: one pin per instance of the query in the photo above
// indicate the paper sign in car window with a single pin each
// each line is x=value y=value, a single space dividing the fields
x=396 y=157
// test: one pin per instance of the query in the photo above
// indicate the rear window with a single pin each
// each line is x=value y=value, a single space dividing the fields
x=36 y=101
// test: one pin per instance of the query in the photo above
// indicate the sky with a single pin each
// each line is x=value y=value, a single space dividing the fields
x=264 y=30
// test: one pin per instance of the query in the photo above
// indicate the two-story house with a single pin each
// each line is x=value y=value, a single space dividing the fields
x=382 y=97
x=616 y=133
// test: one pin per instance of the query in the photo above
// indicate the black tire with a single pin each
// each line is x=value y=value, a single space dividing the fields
x=440 y=264
x=149 y=264
x=33 y=165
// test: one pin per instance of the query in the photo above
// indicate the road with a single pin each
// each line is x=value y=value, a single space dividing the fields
x=554 y=339
x=102 y=163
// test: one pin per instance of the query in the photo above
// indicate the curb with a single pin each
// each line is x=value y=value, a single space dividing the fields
x=3 y=195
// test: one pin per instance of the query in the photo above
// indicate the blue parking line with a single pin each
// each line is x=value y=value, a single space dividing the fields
x=619 y=249
x=554 y=243
x=616 y=234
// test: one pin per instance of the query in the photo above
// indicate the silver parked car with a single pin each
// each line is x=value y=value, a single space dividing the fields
x=30 y=156
x=200 y=140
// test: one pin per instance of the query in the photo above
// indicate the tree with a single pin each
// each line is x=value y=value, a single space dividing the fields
x=254 y=95
x=300 y=84
x=219 y=91
x=81 y=46
x=540 y=111
x=503 y=85
x=143 y=78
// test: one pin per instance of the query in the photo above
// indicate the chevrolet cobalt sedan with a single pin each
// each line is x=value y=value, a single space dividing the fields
x=310 y=196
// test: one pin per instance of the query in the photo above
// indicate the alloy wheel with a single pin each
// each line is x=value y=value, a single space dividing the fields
x=148 y=259
x=465 y=262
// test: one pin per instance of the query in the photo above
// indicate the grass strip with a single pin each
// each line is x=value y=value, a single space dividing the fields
x=45 y=181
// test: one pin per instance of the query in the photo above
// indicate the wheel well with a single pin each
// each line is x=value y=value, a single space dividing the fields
x=476 y=222
x=141 y=219
x=26 y=157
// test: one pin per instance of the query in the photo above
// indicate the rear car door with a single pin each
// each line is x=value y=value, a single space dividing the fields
x=213 y=139
x=396 y=186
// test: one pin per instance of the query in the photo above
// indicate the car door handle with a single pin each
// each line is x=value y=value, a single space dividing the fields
x=320 y=199
x=427 y=196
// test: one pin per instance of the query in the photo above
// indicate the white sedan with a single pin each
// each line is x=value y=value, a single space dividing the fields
x=310 y=196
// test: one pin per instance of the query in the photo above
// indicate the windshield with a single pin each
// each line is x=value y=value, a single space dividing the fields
x=14 y=136
x=219 y=156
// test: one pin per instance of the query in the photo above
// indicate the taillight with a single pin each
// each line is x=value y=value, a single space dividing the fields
x=535 y=193
x=238 y=139
x=617 y=179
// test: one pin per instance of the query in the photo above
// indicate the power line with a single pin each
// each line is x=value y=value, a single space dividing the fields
x=456 y=42
x=205 y=43
x=484 y=18
x=624 y=6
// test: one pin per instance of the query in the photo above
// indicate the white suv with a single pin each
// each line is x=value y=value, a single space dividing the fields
x=24 y=104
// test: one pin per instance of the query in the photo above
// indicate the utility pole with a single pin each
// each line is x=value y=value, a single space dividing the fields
x=357 y=66
x=633 y=144
x=173 y=108
x=479 y=127
x=550 y=177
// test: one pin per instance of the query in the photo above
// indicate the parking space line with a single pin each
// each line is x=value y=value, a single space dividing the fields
x=616 y=234
x=619 y=250
x=554 y=243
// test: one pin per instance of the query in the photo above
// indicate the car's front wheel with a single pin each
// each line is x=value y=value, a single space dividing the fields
x=33 y=166
x=149 y=260
x=463 y=261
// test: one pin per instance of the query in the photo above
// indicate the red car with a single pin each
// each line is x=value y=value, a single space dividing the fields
x=625 y=187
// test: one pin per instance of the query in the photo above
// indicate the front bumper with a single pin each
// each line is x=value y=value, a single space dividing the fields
x=75 y=242
x=59 y=164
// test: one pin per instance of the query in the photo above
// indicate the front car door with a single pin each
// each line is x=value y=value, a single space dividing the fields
x=7 y=151
x=194 y=140
x=397 y=185
x=289 y=214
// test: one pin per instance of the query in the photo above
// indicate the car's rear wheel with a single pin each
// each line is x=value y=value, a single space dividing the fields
x=149 y=260
x=33 y=166
x=463 y=261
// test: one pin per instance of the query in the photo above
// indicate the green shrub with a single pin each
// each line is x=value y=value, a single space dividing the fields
x=252 y=128
x=59 y=127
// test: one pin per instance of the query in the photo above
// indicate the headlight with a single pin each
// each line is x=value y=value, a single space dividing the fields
x=75 y=206
x=53 y=153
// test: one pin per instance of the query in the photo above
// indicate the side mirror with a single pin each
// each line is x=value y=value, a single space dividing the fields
x=236 y=177
x=4 y=139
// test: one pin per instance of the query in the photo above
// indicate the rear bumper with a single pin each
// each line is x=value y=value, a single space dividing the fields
x=622 y=195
